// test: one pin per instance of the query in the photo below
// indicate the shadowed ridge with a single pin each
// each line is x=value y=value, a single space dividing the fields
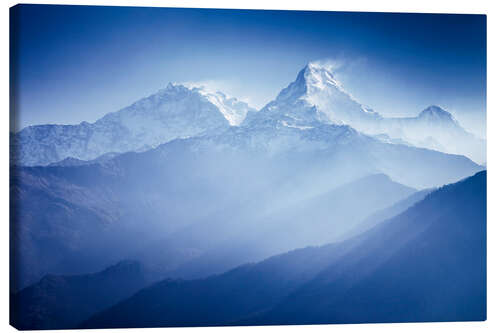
x=426 y=264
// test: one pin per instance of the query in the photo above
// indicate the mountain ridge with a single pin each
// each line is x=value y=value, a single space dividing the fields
x=145 y=186
x=383 y=275
x=50 y=303
x=314 y=99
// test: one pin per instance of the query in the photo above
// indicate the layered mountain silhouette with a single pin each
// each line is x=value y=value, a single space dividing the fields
x=236 y=172
x=318 y=220
x=193 y=184
x=91 y=215
x=57 y=302
x=426 y=264
x=387 y=212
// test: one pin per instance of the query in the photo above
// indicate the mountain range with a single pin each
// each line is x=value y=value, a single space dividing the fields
x=317 y=97
x=229 y=176
x=318 y=220
x=426 y=264
x=314 y=98
x=269 y=165
x=305 y=211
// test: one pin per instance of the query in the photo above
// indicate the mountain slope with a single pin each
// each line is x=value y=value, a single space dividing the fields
x=344 y=147
x=81 y=210
x=219 y=299
x=173 y=112
x=318 y=220
x=58 y=302
x=387 y=213
x=426 y=264
x=53 y=215
x=226 y=173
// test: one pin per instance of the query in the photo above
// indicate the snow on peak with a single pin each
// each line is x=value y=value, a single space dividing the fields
x=317 y=96
x=319 y=77
x=231 y=108
x=171 y=113
x=312 y=79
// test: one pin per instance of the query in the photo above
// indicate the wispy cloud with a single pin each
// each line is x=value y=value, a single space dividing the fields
x=331 y=64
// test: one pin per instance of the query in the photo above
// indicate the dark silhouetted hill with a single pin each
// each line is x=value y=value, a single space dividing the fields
x=58 y=302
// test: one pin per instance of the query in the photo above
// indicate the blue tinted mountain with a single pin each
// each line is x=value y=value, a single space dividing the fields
x=58 y=302
x=316 y=97
x=426 y=264
x=386 y=213
x=67 y=214
x=173 y=112
x=318 y=220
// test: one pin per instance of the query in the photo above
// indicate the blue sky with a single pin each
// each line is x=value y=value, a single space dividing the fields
x=76 y=63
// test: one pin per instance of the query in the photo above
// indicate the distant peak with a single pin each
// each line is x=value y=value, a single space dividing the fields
x=436 y=112
x=435 y=108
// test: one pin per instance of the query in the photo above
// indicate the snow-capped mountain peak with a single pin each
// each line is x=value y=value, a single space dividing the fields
x=315 y=96
x=319 y=77
x=311 y=79
x=175 y=111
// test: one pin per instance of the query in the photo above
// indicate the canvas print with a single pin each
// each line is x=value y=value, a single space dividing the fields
x=209 y=167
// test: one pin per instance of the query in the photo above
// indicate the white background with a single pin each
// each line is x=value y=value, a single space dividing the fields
x=491 y=8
